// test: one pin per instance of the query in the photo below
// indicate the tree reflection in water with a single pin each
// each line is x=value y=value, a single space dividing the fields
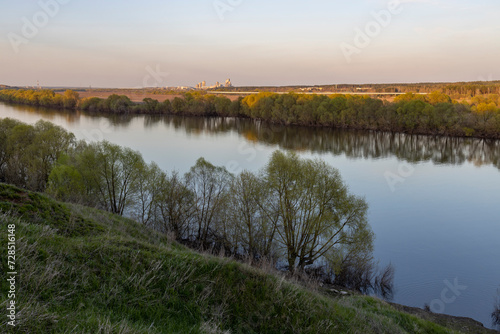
x=354 y=144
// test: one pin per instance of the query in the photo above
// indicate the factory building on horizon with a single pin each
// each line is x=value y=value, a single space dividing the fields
x=203 y=85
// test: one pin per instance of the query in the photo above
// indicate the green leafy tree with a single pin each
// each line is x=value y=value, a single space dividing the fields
x=19 y=151
x=6 y=126
x=151 y=106
x=91 y=104
x=222 y=105
x=30 y=152
x=49 y=143
x=166 y=107
x=66 y=183
x=119 y=104
x=317 y=214
x=111 y=175
x=178 y=105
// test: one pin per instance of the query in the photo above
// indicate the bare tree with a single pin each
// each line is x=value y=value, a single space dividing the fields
x=495 y=315
x=209 y=185
x=175 y=206
x=150 y=182
x=252 y=218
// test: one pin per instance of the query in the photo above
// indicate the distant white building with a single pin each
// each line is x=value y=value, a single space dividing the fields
x=203 y=85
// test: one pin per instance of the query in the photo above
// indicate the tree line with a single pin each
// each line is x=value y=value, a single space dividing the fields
x=41 y=98
x=296 y=213
x=432 y=114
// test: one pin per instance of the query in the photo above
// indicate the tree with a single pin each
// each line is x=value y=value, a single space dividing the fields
x=165 y=107
x=317 y=214
x=91 y=104
x=209 y=185
x=255 y=226
x=6 y=126
x=437 y=97
x=175 y=207
x=70 y=179
x=66 y=183
x=119 y=104
x=49 y=143
x=18 y=149
x=409 y=97
x=495 y=315
x=150 y=181
x=28 y=153
x=178 y=105
x=111 y=173
x=70 y=99
x=235 y=108
x=151 y=105
x=222 y=105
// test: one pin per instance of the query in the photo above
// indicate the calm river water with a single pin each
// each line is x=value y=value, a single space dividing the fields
x=434 y=202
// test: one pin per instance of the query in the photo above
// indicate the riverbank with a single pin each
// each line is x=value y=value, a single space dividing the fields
x=110 y=272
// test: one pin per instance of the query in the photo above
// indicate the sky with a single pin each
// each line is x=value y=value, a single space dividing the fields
x=153 y=43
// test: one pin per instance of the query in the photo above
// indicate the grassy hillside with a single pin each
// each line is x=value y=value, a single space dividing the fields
x=88 y=271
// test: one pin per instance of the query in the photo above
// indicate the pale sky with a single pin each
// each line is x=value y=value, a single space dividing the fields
x=111 y=43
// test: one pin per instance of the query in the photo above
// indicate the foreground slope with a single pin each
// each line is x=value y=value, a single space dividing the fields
x=87 y=271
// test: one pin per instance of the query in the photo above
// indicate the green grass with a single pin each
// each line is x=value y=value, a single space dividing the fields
x=87 y=271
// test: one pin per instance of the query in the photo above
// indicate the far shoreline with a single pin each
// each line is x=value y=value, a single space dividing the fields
x=433 y=114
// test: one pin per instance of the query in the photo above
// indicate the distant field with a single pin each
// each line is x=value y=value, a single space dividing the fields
x=137 y=96
x=460 y=92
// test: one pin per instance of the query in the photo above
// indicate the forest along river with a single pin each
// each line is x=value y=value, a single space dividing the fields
x=434 y=202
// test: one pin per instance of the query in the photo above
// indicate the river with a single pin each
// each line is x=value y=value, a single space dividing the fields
x=434 y=202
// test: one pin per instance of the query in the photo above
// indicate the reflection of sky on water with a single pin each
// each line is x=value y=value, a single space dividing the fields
x=441 y=223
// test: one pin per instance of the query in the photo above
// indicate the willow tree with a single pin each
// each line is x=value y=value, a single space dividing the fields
x=175 y=207
x=101 y=174
x=149 y=186
x=210 y=185
x=317 y=214
x=6 y=126
x=254 y=225
x=28 y=152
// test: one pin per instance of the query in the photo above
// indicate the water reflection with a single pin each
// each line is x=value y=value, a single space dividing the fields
x=354 y=144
